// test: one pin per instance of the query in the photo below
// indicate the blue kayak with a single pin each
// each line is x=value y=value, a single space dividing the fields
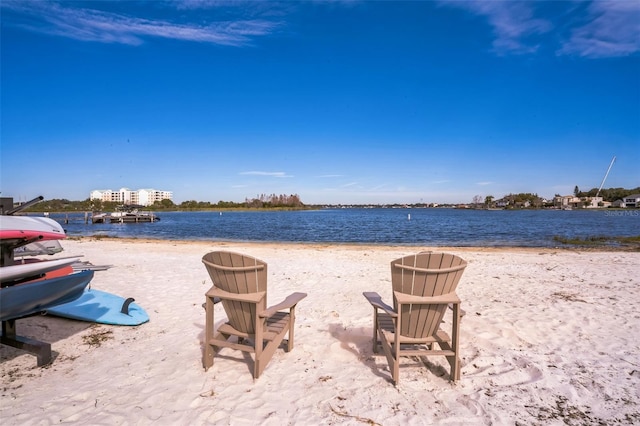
x=28 y=298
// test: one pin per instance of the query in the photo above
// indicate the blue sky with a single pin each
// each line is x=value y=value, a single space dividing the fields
x=336 y=101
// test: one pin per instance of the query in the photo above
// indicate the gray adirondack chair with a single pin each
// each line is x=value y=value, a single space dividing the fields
x=424 y=286
x=240 y=284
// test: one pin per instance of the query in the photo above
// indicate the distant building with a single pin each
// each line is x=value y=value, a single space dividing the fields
x=632 y=200
x=501 y=203
x=143 y=197
x=566 y=201
x=593 y=202
x=146 y=197
x=571 y=201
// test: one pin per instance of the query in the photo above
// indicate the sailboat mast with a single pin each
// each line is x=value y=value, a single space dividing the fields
x=606 y=174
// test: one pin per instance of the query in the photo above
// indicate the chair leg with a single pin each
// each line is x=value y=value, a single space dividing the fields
x=395 y=369
x=389 y=350
x=375 y=330
x=292 y=320
x=264 y=353
x=258 y=364
x=209 y=352
x=454 y=361
x=265 y=356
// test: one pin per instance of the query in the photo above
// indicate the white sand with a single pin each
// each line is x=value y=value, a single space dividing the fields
x=549 y=337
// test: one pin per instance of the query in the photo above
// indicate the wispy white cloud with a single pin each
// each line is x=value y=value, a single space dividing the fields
x=595 y=29
x=382 y=186
x=513 y=23
x=85 y=24
x=484 y=183
x=196 y=4
x=272 y=174
x=613 y=29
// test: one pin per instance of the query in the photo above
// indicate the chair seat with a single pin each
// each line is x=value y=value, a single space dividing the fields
x=387 y=326
x=274 y=326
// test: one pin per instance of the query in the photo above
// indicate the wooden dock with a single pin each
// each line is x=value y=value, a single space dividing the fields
x=122 y=217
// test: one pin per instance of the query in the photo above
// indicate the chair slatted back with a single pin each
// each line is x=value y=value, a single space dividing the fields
x=425 y=274
x=241 y=274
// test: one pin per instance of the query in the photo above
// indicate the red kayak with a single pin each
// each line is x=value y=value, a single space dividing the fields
x=28 y=228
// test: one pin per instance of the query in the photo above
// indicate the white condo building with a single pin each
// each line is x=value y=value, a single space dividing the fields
x=143 y=197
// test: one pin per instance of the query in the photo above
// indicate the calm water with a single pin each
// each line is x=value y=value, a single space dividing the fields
x=432 y=227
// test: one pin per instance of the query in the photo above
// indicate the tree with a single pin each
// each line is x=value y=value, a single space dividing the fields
x=576 y=191
x=164 y=204
x=96 y=205
x=189 y=204
x=488 y=200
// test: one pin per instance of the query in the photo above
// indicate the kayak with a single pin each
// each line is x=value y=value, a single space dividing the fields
x=25 y=299
x=29 y=228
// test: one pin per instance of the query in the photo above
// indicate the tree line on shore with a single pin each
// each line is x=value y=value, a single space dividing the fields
x=534 y=201
x=293 y=202
x=262 y=201
x=610 y=194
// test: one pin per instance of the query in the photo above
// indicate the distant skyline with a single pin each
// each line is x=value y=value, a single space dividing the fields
x=340 y=102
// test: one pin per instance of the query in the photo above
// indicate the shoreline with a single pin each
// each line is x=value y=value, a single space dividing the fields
x=549 y=335
x=595 y=248
x=377 y=227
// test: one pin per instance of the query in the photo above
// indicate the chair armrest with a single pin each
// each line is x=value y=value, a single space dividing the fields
x=216 y=300
x=376 y=301
x=288 y=303
x=444 y=299
x=245 y=297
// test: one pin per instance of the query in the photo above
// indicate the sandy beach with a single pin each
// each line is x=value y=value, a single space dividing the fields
x=549 y=337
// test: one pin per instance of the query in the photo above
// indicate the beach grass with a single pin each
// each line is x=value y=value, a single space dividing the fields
x=631 y=242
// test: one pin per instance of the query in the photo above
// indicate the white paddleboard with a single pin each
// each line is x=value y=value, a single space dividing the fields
x=32 y=269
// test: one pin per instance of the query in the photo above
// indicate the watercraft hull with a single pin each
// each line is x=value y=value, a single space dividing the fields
x=36 y=269
x=25 y=299
x=29 y=228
